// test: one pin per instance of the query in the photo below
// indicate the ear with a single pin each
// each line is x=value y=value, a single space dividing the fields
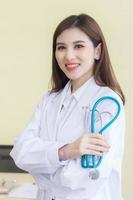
x=98 y=51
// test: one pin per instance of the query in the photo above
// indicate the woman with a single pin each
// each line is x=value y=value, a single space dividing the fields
x=51 y=146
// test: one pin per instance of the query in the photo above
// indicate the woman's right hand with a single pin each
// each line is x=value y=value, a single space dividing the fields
x=92 y=144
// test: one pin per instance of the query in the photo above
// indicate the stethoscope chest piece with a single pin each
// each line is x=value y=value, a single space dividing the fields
x=94 y=174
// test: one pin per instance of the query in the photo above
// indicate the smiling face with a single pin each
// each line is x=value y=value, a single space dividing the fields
x=76 y=55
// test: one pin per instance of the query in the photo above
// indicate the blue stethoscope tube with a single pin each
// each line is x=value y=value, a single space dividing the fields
x=92 y=161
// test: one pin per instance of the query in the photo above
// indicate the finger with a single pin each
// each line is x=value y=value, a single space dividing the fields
x=97 y=135
x=98 y=148
x=92 y=152
x=100 y=138
x=99 y=142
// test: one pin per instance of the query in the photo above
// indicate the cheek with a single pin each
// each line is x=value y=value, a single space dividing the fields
x=90 y=56
x=58 y=57
x=59 y=61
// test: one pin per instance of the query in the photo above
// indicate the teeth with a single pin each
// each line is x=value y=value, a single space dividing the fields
x=71 y=65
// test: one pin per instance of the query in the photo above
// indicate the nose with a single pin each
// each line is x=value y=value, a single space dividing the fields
x=70 y=54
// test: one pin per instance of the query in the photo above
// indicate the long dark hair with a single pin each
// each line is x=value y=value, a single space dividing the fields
x=103 y=72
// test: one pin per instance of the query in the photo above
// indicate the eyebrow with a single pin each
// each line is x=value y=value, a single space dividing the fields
x=75 y=42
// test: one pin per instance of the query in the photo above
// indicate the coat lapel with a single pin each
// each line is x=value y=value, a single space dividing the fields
x=53 y=112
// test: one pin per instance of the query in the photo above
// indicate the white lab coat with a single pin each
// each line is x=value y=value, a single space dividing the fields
x=36 y=149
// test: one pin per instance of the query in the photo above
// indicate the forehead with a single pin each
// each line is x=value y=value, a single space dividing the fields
x=72 y=34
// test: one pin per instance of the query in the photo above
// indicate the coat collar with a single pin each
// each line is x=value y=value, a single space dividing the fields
x=86 y=87
x=84 y=95
x=87 y=93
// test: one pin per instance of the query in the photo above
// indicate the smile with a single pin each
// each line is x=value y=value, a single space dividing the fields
x=72 y=66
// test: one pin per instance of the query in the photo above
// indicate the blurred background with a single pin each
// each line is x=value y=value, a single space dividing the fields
x=26 y=30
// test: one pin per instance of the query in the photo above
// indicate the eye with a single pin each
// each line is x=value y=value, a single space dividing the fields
x=78 y=46
x=60 y=47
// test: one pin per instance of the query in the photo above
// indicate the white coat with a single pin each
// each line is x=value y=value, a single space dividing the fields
x=36 y=149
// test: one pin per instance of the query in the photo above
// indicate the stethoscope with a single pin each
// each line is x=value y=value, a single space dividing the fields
x=92 y=161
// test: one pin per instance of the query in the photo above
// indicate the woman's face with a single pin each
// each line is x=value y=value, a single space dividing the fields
x=76 y=55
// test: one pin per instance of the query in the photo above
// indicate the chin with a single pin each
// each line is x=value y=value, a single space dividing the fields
x=73 y=77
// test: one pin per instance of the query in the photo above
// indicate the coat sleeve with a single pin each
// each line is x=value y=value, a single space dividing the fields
x=33 y=154
x=76 y=177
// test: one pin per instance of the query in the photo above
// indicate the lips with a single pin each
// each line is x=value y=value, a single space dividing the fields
x=71 y=66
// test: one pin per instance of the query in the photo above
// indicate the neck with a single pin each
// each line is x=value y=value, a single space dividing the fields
x=76 y=84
